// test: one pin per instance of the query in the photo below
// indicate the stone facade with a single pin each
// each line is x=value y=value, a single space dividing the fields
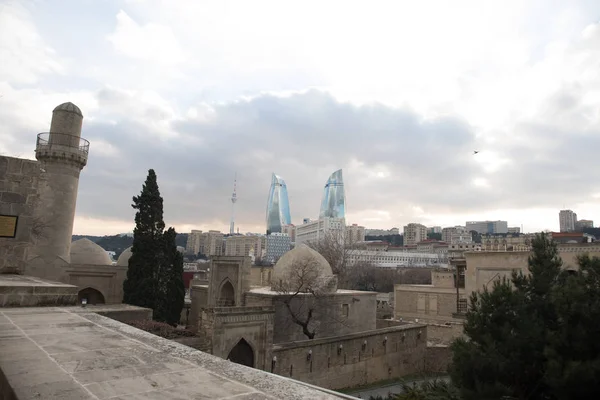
x=19 y=195
x=261 y=275
x=362 y=358
x=339 y=313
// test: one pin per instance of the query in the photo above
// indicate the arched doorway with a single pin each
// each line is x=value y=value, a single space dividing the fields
x=242 y=353
x=92 y=295
x=227 y=295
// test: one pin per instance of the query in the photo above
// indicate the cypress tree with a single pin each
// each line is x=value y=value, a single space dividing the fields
x=140 y=288
x=171 y=288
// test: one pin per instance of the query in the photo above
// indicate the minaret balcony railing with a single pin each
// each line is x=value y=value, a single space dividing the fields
x=62 y=146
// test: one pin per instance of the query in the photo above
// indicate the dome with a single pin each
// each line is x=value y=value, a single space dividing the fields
x=317 y=272
x=84 y=251
x=123 y=260
x=69 y=107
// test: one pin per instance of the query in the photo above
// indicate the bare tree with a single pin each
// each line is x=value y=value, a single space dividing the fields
x=300 y=288
x=343 y=254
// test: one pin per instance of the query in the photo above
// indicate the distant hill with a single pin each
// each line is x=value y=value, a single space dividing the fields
x=118 y=243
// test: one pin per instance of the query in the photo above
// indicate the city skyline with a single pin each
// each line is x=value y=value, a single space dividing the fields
x=158 y=91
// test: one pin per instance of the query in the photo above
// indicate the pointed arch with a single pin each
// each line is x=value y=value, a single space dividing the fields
x=92 y=295
x=242 y=353
x=226 y=294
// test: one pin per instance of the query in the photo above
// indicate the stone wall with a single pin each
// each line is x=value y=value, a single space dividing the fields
x=425 y=302
x=329 y=318
x=19 y=196
x=388 y=353
x=261 y=275
x=253 y=324
x=443 y=334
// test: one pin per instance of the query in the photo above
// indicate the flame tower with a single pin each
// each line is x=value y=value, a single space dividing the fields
x=278 y=205
x=333 y=204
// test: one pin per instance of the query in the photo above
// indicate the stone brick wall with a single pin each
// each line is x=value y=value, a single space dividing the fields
x=444 y=334
x=328 y=319
x=425 y=302
x=19 y=195
x=356 y=363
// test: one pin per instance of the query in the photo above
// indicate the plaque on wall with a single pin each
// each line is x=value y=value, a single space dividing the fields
x=8 y=226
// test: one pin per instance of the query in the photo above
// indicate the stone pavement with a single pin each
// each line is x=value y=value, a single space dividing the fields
x=55 y=353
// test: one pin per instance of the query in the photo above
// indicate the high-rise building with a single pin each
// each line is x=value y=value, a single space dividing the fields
x=193 y=242
x=278 y=205
x=211 y=243
x=487 y=227
x=434 y=229
x=333 y=204
x=414 y=233
x=241 y=245
x=355 y=233
x=277 y=245
x=583 y=224
x=567 y=220
x=289 y=230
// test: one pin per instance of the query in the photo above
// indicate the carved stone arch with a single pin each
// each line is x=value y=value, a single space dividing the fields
x=92 y=295
x=226 y=294
x=243 y=353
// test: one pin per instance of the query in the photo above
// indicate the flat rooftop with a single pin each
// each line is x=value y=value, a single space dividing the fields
x=69 y=353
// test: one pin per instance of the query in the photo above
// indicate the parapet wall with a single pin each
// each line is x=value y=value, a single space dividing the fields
x=355 y=359
x=19 y=195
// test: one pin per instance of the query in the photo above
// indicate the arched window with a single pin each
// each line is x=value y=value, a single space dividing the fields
x=226 y=295
x=242 y=353
x=92 y=296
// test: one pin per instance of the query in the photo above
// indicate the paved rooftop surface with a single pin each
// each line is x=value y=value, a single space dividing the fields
x=57 y=353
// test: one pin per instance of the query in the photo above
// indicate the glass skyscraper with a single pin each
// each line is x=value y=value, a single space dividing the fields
x=278 y=205
x=333 y=204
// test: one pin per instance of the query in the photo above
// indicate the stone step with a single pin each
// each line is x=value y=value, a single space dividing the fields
x=28 y=291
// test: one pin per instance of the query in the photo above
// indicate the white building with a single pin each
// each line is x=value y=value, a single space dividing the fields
x=487 y=227
x=313 y=231
x=514 y=230
x=289 y=230
x=567 y=220
x=397 y=259
x=277 y=245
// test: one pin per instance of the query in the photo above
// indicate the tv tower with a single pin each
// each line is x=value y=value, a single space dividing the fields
x=233 y=200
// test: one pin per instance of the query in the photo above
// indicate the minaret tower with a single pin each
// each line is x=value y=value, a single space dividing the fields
x=62 y=154
x=233 y=200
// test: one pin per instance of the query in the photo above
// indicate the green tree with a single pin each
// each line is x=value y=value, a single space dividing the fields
x=141 y=285
x=533 y=336
x=155 y=273
x=171 y=288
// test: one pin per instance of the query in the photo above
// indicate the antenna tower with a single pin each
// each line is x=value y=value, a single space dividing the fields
x=233 y=200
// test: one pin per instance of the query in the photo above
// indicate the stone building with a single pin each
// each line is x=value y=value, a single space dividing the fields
x=37 y=210
x=442 y=304
x=255 y=325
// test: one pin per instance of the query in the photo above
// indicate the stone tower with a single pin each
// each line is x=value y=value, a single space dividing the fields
x=62 y=154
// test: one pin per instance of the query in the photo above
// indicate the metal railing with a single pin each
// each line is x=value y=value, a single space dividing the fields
x=46 y=140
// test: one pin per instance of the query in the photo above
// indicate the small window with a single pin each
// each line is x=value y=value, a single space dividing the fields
x=345 y=310
x=462 y=306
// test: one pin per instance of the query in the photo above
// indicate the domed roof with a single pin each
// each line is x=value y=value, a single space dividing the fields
x=123 y=260
x=84 y=251
x=305 y=264
x=69 y=107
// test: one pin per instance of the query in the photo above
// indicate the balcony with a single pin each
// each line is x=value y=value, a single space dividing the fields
x=62 y=147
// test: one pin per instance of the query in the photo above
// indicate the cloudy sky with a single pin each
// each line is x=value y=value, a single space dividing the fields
x=397 y=93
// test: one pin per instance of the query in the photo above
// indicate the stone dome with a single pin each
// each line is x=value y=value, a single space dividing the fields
x=84 y=251
x=123 y=259
x=69 y=107
x=318 y=271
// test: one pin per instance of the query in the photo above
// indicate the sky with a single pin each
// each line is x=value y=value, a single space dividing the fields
x=396 y=93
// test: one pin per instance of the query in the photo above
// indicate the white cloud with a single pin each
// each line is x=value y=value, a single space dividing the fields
x=24 y=54
x=150 y=43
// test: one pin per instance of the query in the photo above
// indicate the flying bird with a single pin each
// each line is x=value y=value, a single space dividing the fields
x=475 y=152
